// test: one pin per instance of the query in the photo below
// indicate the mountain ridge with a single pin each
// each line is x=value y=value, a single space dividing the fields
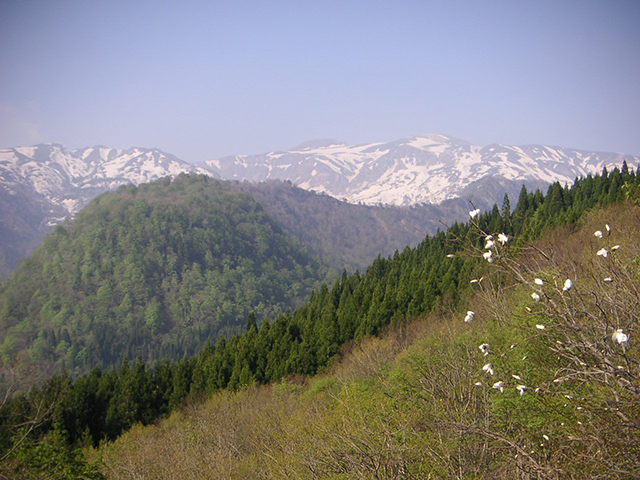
x=420 y=169
x=69 y=178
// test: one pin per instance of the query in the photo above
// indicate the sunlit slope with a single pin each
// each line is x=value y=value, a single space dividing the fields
x=561 y=399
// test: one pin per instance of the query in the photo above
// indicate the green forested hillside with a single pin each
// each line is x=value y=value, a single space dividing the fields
x=347 y=236
x=535 y=386
x=152 y=271
x=527 y=389
x=426 y=417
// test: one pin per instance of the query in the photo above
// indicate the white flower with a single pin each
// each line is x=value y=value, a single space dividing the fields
x=502 y=238
x=535 y=296
x=608 y=228
x=484 y=348
x=603 y=252
x=538 y=281
x=498 y=386
x=615 y=247
x=469 y=316
x=567 y=285
x=545 y=437
x=451 y=255
x=488 y=368
x=521 y=389
x=608 y=279
x=489 y=244
x=597 y=234
x=517 y=377
x=478 y=384
x=619 y=336
x=474 y=213
x=488 y=237
x=540 y=327
x=488 y=256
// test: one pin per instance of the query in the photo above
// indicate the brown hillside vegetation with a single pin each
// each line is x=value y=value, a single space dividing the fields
x=559 y=397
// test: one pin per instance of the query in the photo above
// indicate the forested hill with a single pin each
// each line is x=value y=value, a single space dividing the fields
x=347 y=236
x=153 y=271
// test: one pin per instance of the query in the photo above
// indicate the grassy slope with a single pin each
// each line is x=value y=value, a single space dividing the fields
x=406 y=405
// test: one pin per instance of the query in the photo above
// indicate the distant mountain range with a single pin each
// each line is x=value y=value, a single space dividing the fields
x=42 y=185
x=424 y=169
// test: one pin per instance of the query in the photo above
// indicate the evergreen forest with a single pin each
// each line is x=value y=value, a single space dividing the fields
x=503 y=347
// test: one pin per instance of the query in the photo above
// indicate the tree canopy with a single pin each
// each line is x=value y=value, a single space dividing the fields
x=154 y=271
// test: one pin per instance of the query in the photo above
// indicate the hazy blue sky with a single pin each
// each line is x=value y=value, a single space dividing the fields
x=206 y=79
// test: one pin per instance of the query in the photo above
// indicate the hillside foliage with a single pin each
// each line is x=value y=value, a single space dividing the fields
x=562 y=399
x=418 y=415
x=347 y=236
x=155 y=272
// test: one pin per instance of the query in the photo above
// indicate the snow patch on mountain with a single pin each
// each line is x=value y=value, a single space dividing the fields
x=71 y=178
x=409 y=171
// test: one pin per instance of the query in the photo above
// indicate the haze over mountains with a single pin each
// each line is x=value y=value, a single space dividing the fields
x=42 y=185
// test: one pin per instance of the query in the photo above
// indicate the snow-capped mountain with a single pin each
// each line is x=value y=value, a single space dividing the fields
x=424 y=169
x=69 y=179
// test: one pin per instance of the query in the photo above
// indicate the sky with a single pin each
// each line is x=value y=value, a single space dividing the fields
x=209 y=79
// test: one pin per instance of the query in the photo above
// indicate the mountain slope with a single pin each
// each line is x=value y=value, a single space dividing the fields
x=348 y=236
x=417 y=404
x=153 y=271
x=71 y=178
x=424 y=169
